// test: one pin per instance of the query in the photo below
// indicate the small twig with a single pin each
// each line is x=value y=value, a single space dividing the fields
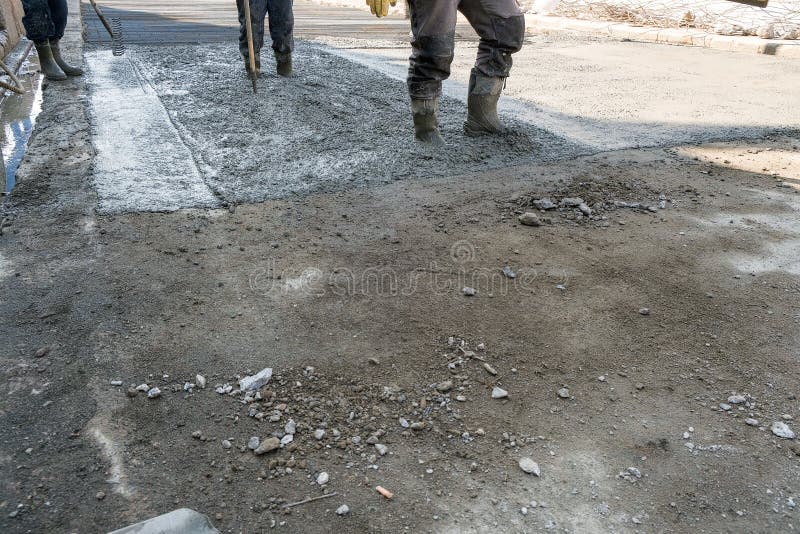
x=310 y=499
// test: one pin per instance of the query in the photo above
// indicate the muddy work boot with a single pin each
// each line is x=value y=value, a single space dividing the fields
x=283 y=64
x=68 y=69
x=426 y=122
x=48 y=64
x=484 y=92
x=246 y=58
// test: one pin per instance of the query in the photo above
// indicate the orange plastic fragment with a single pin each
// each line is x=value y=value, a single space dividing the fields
x=383 y=491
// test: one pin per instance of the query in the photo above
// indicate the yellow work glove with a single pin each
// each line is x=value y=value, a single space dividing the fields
x=380 y=8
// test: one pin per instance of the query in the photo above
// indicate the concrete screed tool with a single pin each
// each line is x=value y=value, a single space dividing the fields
x=250 y=48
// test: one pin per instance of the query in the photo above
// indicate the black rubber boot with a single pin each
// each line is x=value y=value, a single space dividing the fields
x=246 y=58
x=283 y=64
x=484 y=92
x=68 y=69
x=426 y=122
x=49 y=67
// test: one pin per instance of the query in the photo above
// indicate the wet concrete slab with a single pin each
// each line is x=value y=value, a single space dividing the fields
x=193 y=129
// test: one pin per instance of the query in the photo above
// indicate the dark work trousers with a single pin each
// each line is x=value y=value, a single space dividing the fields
x=281 y=25
x=44 y=19
x=499 y=24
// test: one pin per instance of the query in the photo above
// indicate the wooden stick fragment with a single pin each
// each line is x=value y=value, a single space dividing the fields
x=308 y=500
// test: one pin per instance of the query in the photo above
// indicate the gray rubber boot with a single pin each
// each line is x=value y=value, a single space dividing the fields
x=484 y=92
x=49 y=67
x=426 y=122
x=68 y=69
x=283 y=64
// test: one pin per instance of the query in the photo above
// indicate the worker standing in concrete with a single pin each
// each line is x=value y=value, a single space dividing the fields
x=45 y=22
x=281 y=27
x=501 y=27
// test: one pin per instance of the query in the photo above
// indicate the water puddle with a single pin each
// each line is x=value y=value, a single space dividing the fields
x=17 y=118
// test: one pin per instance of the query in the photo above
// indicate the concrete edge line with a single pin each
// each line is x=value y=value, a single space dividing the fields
x=687 y=37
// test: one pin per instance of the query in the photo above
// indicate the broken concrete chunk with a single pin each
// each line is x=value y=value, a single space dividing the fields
x=529 y=466
x=571 y=202
x=181 y=521
x=499 y=393
x=530 y=219
x=268 y=445
x=544 y=204
x=256 y=381
x=782 y=430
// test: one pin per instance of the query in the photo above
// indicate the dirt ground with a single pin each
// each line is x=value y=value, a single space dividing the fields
x=646 y=349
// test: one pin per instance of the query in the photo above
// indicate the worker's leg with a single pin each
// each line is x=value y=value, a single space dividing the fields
x=501 y=27
x=433 y=26
x=258 y=10
x=281 y=29
x=37 y=20
x=58 y=12
x=39 y=27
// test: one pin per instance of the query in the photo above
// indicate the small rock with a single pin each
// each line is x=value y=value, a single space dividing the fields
x=469 y=291
x=258 y=380
x=782 y=430
x=586 y=210
x=291 y=427
x=319 y=434
x=529 y=219
x=639 y=386
x=268 y=445
x=287 y=439
x=42 y=352
x=153 y=393
x=445 y=386
x=489 y=369
x=132 y=392
x=143 y=388
x=529 y=466
x=736 y=399
x=323 y=478
x=381 y=448
x=544 y=204
x=644 y=311
x=253 y=443
x=461 y=398
x=417 y=425
x=563 y=393
x=197 y=434
x=499 y=393
x=343 y=510
x=508 y=272
x=224 y=389
x=100 y=495
x=751 y=422
x=724 y=407
x=226 y=444
x=116 y=382
x=571 y=202
x=403 y=422
x=635 y=472
x=200 y=380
